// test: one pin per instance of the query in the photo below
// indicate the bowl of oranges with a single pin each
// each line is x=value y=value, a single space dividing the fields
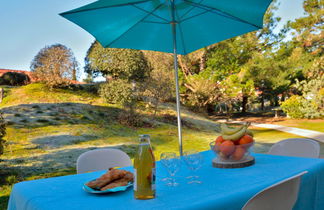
x=234 y=145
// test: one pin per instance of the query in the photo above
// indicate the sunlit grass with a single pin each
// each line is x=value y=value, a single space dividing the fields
x=34 y=93
x=316 y=125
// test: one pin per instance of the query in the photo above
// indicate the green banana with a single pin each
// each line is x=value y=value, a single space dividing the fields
x=249 y=132
x=225 y=130
x=236 y=135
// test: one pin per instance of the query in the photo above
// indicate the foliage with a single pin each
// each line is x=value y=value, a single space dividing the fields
x=55 y=65
x=123 y=93
x=126 y=64
x=228 y=57
x=14 y=79
x=292 y=107
x=159 y=86
x=311 y=103
x=307 y=57
x=130 y=118
x=2 y=133
x=118 y=92
x=202 y=93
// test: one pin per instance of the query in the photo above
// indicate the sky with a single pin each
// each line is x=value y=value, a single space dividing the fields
x=26 y=26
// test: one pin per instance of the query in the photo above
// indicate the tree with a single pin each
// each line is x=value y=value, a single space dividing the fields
x=126 y=64
x=201 y=93
x=307 y=57
x=159 y=86
x=55 y=65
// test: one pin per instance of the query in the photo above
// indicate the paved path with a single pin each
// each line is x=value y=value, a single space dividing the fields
x=319 y=136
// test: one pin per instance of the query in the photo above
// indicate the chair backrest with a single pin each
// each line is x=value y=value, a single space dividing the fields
x=280 y=196
x=101 y=159
x=297 y=147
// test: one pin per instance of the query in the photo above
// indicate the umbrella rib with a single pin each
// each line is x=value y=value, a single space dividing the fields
x=148 y=21
x=90 y=9
x=148 y=12
x=189 y=10
x=206 y=11
x=134 y=25
x=224 y=14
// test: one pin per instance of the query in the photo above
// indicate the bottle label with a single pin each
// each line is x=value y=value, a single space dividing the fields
x=135 y=179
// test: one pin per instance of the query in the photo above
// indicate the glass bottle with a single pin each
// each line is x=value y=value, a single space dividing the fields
x=144 y=170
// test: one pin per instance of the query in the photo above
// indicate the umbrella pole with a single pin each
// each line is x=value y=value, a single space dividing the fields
x=173 y=23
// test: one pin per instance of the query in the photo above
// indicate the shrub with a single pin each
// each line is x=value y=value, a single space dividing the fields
x=298 y=107
x=2 y=133
x=118 y=92
x=14 y=79
x=292 y=107
x=129 y=118
x=123 y=93
x=311 y=103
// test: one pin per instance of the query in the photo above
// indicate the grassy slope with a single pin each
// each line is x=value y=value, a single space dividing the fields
x=39 y=93
x=31 y=153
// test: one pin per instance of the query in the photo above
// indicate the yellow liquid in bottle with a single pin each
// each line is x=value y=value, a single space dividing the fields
x=144 y=170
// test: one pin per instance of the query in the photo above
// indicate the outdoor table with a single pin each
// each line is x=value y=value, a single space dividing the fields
x=221 y=188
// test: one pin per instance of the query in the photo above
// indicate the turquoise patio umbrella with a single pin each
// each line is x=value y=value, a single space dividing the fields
x=172 y=26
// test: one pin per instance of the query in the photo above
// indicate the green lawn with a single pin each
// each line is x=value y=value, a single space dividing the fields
x=315 y=125
x=46 y=134
x=27 y=159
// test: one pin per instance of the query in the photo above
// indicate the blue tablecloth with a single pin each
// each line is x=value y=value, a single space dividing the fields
x=221 y=188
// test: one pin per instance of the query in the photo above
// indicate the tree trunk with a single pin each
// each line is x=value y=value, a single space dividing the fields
x=74 y=77
x=202 y=63
x=1 y=94
x=262 y=102
x=244 y=103
x=183 y=66
x=276 y=101
x=210 y=109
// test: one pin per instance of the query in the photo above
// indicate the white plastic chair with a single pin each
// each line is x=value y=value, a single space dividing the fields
x=297 y=147
x=280 y=196
x=101 y=159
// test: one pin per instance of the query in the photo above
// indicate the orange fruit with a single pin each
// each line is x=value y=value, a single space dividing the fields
x=227 y=148
x=238 y=153
x=219 y=140
x=246 y=139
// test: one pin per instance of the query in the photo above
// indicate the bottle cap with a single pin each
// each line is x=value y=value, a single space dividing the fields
x=144 y=136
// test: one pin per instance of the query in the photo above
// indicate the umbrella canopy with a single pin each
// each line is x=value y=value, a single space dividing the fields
x=173 y=26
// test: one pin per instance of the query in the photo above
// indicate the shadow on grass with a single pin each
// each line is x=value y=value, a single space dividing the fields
x=44 y=114
x=47 y=163
x=56 y=141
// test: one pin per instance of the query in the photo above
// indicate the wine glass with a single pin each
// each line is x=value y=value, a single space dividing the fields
x=172 y=163
x=193 y=160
